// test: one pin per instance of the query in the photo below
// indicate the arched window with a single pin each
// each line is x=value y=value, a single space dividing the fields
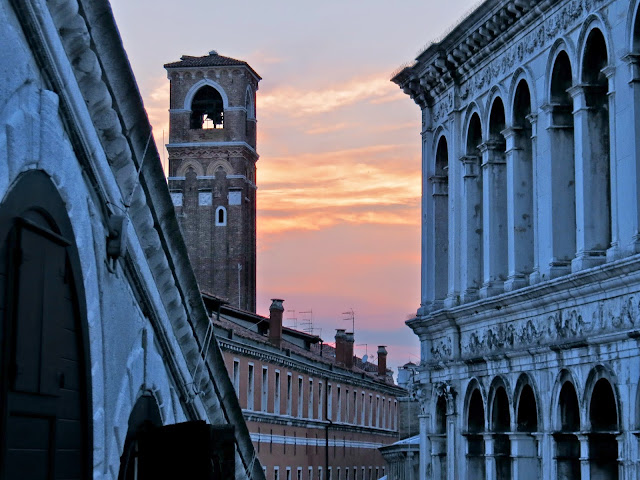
x=221 y=216
x=440 y=181
x=500 y=425
x=494 y=240
x=207 y=109
x=567 y=443
x=520 y=187
x=472 y=256
x=46 y=397
x=603 y=446
x=440 y=439
x=563 y=190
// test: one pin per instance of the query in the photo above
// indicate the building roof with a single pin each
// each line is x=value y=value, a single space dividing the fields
x=254 y=328
x=213 y=59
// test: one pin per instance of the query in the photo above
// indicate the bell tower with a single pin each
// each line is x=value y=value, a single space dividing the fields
x=212 y=171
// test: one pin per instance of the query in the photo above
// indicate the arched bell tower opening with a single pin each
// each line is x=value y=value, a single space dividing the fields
x=212 y=171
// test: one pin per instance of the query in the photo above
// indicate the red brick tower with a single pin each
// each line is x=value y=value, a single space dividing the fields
x=212 y=171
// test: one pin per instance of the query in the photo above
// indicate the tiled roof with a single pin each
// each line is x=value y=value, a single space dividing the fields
x=211 y=60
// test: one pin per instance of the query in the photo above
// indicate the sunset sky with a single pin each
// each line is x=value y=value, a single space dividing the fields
x=339 y=169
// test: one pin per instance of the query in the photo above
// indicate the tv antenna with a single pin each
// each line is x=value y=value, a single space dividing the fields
x=307 y=321
x=350 y=315
x=292 y=318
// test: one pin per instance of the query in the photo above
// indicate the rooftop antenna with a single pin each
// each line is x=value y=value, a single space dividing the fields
x=292 y=318
x=365 y=357
x=307 y=321
x=350 y=316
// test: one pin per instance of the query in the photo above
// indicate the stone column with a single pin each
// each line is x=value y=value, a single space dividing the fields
x=494 y=218
x=614 y=251
x=524 y=452
x=427 y=294
x=489 y=456
x=633 y=60
x=559 y=244
x=592 y=199
x=585 y=467
x=425 y=446
x=534 y=276
x=438 y=456
x=520 y=207
x=622 y=457
x=471 y=258
x=452 y=418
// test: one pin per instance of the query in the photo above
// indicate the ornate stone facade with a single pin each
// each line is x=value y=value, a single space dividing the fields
x=531 y=218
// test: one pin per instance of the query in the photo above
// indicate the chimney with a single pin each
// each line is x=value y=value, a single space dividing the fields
x=382 y=361
x=340 y=346
x=348 y=350
x=275 y=321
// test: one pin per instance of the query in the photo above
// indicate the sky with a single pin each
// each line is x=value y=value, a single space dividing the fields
x=339 y=170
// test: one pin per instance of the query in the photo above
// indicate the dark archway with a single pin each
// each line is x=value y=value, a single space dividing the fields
x=440 y=468
x=45 y=418
x=475 y=441
x=563 y=189
x=526 y=462
x=567 y=443
x=500 y=426
x=527 y=416
x=207 y=109
x=440 y=181
x=472 y=211
x=603 y=446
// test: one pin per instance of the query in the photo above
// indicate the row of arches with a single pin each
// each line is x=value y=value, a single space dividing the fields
x=503 y=429
x=501 y=222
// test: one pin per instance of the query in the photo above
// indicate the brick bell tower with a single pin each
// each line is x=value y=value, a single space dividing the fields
x=212 y=171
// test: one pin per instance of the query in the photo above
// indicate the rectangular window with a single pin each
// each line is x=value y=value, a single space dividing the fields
x=310 y=399
x=389 y=415
x=384 y=419
x=330 y=474
x=289 y=393
x=339 y=401
x=250 y=388
x=377 y=472
x=395 y=414
x=265 y=389
x=276 y=399
x=288 y=473
x=362 y=473
x=310 y=473
x=236 y=376
x=370 y=473
x=276 y=473
x=377 y=410
x=346 y=401
x=370 y=409
x=338 y=474
x=299 y=474
x=346 y=473
x=320 y=473
x=362 y=411
x=355 y=407
x=329 y=402
x=300 y=397
x=320 y=402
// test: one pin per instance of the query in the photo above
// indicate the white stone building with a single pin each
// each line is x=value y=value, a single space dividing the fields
x=108 y=364
x=530 y=308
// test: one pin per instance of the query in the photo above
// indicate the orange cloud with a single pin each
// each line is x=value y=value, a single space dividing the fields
x=299 y=102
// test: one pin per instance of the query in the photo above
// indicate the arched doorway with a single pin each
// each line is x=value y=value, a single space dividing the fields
x=526 y=460
x=603 y=446
x=475 y=440
x=500 y=426
x=567 y=443
x=45 y=419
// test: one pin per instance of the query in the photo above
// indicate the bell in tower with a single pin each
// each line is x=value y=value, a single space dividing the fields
x=212 y=164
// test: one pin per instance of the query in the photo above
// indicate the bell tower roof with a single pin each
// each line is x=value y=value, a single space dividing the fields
x=210 y=60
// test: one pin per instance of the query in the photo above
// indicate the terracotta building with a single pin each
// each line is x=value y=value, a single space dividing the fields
x=314 y=411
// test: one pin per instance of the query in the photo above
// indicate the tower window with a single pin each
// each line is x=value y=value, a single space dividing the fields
x=221 y=216
x=176 y=198
x=205 y=198
x=235 y=197
x=207 y=109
